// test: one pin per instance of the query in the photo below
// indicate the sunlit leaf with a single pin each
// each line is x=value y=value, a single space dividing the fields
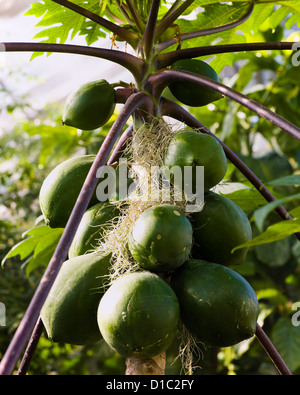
x=247 y=199
x=293 y=179
x=273 y=233
x=38 y=247
x=261 y=213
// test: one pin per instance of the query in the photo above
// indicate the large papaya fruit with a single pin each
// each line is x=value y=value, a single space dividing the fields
x=219 y=227
x=61 y=188
x=189 y=93
x=191 y=149
x=161 y=238
x=95 y=221
x=217 y=304
x=70 y=311
x=90 y=106
x=138 y=315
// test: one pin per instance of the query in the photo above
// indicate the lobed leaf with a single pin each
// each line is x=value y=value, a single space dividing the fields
x=38 y=247
x=63 y=23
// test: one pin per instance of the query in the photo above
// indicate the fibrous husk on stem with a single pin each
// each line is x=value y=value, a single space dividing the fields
x=190 y=351
x=145 y=153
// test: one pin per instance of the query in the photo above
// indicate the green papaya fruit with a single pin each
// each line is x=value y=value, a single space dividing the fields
x=219 y=227
x=61 y=188
x=217 y=305
x=138 y=315
x=192 y=149
x=161 y=238
x=95 y=221
x=70 y=311
x=192 y=94
x=90 y=106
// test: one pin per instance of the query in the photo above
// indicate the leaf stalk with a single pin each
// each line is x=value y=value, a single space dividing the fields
x=166 y=59
x=213 y=30
x=132 y=63
x=157 y=82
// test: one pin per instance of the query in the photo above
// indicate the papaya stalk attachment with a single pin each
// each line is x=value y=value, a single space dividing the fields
x=31 y=316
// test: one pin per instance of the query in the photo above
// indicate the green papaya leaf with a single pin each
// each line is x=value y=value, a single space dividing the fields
x=41 y=256
x=291 y=180
x=61 y=23
x=273 y=233
x=273 y=294
x=24 y=248
x=261 y=213
x=295 y=212
x=287 y=11
x=274 y=254
x=286 y=339
x=38 y=247
x=248 y=199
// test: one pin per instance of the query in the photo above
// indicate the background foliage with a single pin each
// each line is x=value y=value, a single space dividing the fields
x=272 y=266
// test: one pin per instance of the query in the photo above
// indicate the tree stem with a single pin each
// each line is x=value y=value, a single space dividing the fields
x=30 y=350
x=135 y=65
x=146 y=366
x=172 y=9
x=137 y=19
x=149 y=34
x=171 y=17
x=163 y=78
x=123 y=11
x=166 y=59
x=60 y=255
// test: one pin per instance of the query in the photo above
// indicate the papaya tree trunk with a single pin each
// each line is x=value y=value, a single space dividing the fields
x=146 y=366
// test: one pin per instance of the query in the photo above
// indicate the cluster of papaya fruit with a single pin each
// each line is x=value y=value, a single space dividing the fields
x=183 y=260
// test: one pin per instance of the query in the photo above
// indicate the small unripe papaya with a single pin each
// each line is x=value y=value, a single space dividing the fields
x=161 y=238
x=191 y=149
x=192 y=94
x=219 y=227
x=61 y=188
x=90 y=106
